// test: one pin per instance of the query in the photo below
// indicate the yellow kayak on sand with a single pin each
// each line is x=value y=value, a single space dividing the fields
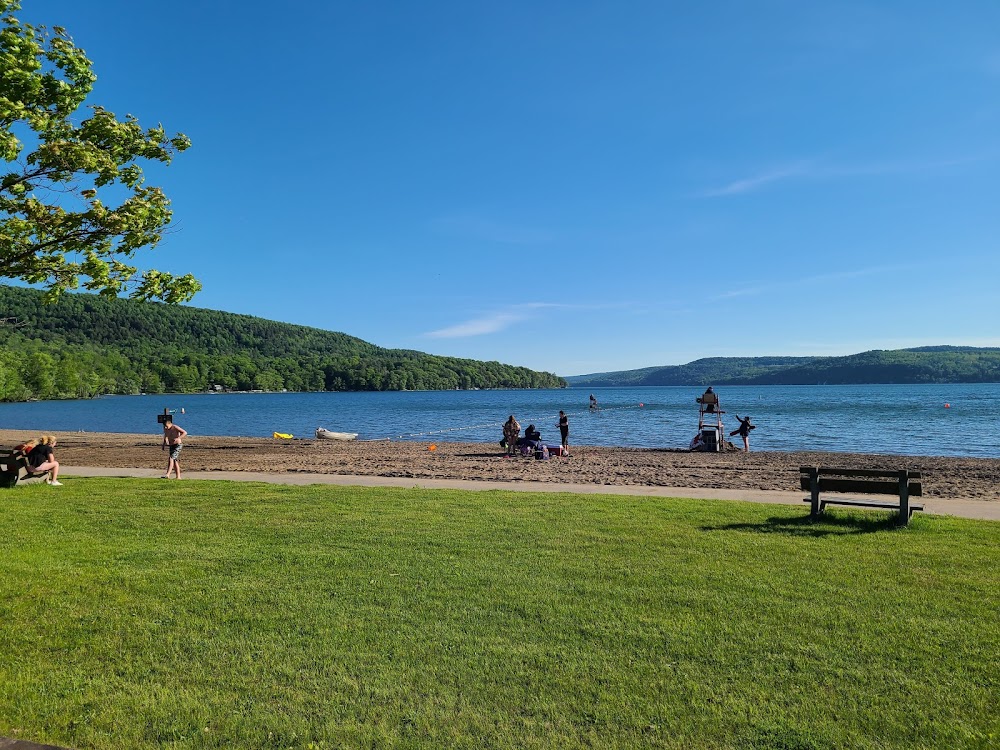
x=282 y=436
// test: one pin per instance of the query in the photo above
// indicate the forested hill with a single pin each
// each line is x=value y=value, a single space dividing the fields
x=85 y=345
x=929 y=364
x=700 y=372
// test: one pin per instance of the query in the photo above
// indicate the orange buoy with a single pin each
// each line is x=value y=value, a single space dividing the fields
x=947 y=406
x=432 y=447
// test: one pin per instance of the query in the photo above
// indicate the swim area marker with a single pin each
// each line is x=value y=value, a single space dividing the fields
x=541 y=420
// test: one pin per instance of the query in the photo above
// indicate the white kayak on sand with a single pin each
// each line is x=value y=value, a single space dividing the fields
x=324 y=434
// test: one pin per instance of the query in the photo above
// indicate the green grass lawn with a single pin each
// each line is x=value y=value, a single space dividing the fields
x=145 y=613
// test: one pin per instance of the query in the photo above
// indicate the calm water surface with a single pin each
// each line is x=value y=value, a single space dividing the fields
x=892 y=419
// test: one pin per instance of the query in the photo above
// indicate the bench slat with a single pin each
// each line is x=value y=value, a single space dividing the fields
x=868 y=487
x=824 y=470
x=11 y=462
x=863 y=503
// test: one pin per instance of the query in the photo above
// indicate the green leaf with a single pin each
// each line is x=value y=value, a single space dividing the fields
x=51 y=214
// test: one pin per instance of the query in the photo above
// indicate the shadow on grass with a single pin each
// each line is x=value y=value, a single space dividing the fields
x=826 y=525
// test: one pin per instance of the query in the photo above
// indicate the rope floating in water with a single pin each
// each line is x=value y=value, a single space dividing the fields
x=501 y=424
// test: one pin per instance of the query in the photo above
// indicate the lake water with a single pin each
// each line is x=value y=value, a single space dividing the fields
x=891 y=419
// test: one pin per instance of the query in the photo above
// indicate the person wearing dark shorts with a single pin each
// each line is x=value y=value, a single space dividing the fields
x=744 y=431
x=564 y=431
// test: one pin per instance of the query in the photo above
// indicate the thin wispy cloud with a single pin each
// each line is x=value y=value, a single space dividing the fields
x=756 y=182
x=817 y=171
x=821 y=278
x=477 y=326
x=501 y=320
x=747 y=292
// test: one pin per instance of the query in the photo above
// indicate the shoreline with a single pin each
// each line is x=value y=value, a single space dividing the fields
x=944 y=477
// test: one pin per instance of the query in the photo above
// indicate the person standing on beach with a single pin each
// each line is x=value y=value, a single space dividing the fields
x=173 y=437
x=744 y=431
x=564 y=431
x=511 y=429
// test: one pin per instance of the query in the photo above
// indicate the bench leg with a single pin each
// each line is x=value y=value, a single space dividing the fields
x=904 y=497
x=815 y=507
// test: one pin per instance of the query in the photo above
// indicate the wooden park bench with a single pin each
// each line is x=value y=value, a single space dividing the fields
x=14 y=467
x=903 y=484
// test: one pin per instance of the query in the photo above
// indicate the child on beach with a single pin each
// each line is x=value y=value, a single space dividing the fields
x=173 y=436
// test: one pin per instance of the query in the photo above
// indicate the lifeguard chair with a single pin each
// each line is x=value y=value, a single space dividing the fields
x=710 y=421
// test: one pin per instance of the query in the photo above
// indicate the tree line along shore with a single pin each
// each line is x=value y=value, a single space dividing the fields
x=85 y=345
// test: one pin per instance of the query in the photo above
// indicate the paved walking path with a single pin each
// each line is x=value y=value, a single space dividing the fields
x=964 y=508
x=6 y=743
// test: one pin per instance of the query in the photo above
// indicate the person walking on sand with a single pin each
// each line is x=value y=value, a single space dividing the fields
x=564 y=431
x=41 y=459
x=744 y=431
x=173 y=438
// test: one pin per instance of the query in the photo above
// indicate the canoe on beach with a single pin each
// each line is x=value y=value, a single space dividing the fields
x=324 y=434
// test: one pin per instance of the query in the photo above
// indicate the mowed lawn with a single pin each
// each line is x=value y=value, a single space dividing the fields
x=147 y=613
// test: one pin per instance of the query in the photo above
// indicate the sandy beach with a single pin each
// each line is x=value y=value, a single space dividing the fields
x=943 y=477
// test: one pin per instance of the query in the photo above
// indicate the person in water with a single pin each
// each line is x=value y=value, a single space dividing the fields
x=744 y=431
x=593 y=402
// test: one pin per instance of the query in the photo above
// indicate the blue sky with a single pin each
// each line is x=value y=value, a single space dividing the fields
x=575 y=186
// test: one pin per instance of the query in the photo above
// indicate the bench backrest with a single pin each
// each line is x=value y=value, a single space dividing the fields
x=11 y=463
x=9 y=459
x=865 y=481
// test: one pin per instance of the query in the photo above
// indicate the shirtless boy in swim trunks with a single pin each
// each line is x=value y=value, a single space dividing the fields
x=173 y=436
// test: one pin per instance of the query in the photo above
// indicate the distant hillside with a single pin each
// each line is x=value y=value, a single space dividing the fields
x=927 y=364
x=86 y=345
x=938 y=364
x=700 y=372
